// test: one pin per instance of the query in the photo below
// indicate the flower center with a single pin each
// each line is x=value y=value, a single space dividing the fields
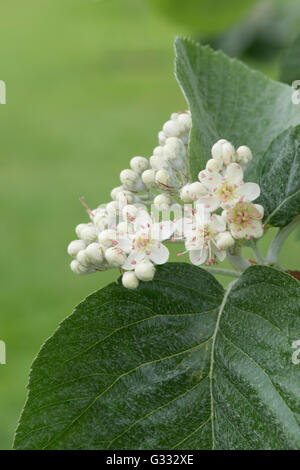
x=226 y=192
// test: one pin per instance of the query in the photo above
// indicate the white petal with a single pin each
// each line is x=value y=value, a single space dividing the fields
x=210 y=179
x=159 y=254
x=162 y=230
x=221 y=255
x=210 y=203
x=124 y=244
x=198 y=257
x=260 y=209
x=143 y=221
x=256 y=229
x=249 y=191
x=134 y=258
x=217 y=223
x=234 y=174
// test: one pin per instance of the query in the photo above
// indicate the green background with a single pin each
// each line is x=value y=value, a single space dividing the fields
x=89 y=85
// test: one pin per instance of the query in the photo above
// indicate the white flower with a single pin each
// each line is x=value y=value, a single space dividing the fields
x=145 y=243
x=201 y=238
x=226 y=190
x=145 y=271
x=129 y=280
x=245 y=220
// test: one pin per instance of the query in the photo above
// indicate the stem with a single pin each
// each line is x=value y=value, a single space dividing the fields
x=278 y=241
x=223 y=272
x=258 y=255
x=236 y=259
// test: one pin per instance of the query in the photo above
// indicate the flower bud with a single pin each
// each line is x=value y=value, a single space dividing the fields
x=171 y=129
x=79 y=229
x=145 y=271
x=77 y=268
x=129 y=178
x=83 y=259
x=113 y=208
x=161 y=138
x=75 y=246
x=244 y=155
x=185 y=195
x=88 y=234
x=129 y=280
x=107 y=237
x=115 y=192
x=95 y=253
x=139 y=164
x=197 y=190
x=162 y=202
x=129 y=212
x=115 y=257
x=148 y=178
x=224 y=240
x=158 y=151
x=124 y=197
x=157 y=162
x=163 y=177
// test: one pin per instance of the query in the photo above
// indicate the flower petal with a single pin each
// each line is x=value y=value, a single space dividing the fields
x=210 y=179
x=198 y=257
x=211 y=203
x=143 y=221
x=133 y=259
x=217 y=223
x=234 y=174
x=125 y=244
x=162 y=230
x=249 y=191
x=159 y=254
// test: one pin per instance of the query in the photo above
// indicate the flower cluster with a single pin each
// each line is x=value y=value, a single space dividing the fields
x=218 y=209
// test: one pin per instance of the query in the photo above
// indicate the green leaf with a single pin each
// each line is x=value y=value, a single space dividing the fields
x=178 y=363
x=228 y=100
x=279 y=179
x=290 y=63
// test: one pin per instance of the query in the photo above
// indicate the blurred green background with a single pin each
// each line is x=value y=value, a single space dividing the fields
x=89 y=85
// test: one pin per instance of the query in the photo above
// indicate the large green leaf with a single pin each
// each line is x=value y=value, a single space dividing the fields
x=228 y=100
x=279 y=178
x=290 y=63
x=178 y=363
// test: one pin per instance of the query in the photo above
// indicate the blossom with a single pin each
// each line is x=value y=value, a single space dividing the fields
x=145 y=242
x=226 y=190
x=244 y=220
x=202 y=231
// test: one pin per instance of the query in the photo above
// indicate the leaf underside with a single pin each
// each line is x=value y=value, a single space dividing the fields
x=228 y=100
x=177 y=364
